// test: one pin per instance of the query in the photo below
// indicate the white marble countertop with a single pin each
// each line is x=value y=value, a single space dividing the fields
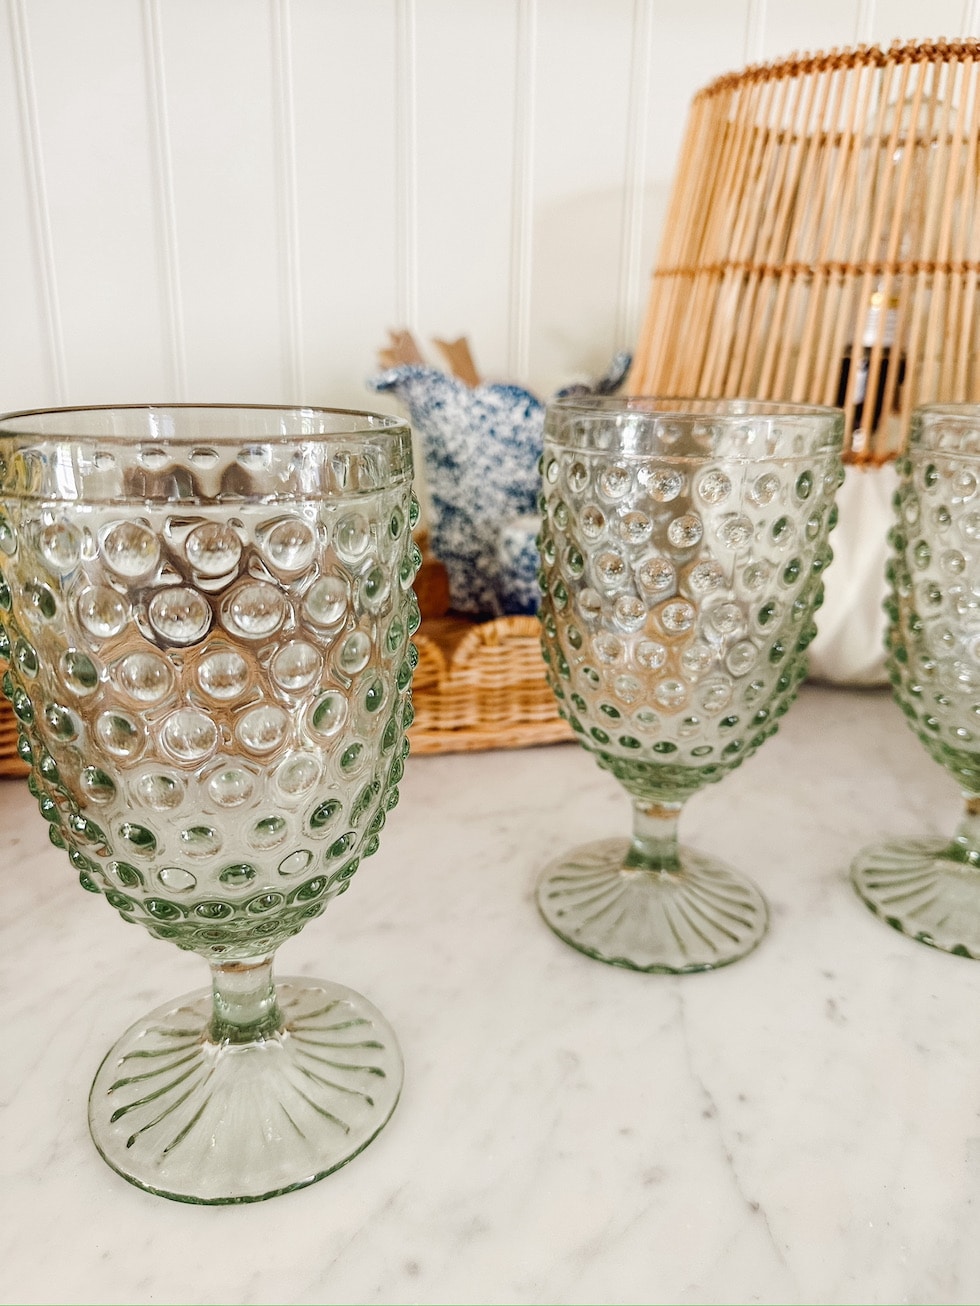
x=803 y=1126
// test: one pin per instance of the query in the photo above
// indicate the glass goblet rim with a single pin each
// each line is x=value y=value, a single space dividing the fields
x=174 y=423
x=645 y=423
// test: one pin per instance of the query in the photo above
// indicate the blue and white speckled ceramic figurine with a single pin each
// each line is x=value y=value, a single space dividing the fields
x=481 y=447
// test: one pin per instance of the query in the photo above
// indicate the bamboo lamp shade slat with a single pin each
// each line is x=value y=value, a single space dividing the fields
x=822 y=240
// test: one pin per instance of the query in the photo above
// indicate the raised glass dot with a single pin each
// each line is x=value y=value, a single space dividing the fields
x=714 y=696
x=578 y=477
x=296 y=665
x=288 y=544
x=189 y=734
x=353 y=535
x=130 y=550
x=179 y=615
x=230 y=786
x=237 y=875
x=627 y=688
x=671 y=693
x=139 y=839
x=764 y=489
x=223 y=674
x=757 y=575
x=296 y=862
x=355 y=652
x=255 y=610
x=742 y=657
x=96 y=785
x=614 y=481
x=727 y=618
x=804 y=485
x=705 y=577
x=119 y=734
x=326 y=601
x=298 y=774
x=374 y=587
x=262 y=728
x=953 y=562
x=101 y=611
x=629 y=612
x=664 y=484
x=176 y=879
x=325 y=813
x=60 y=546
x=329 y=713
x=656 y=575
x=592 y=522
x=635 y=527
x=607 y=648
x=200 y=841
x=41 y=599
x=79 y=672
x=677 y=616
x=25 y=658
x=735 y=531
x=8 y=537
x=213 y=549
x=351 y=757
x=696 y=659
x=714 y=486
x=144 y=676
x=650 y=654
x=159 y=791
x=268 y=832
x=589 y=604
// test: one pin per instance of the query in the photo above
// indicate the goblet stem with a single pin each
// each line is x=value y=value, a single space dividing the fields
x=654 y=846
x=650 y=903
x=246 y=1009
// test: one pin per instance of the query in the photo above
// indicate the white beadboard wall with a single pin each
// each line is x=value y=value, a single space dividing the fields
x=232 y=200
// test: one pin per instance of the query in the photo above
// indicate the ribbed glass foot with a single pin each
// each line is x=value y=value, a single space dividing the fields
x=926 y=888
x=196 y=1120
x=696 y=917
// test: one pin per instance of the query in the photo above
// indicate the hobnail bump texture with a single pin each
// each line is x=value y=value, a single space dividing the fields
x=207 y=614
x=682 y=554
x=212 y=692
x=930 y=888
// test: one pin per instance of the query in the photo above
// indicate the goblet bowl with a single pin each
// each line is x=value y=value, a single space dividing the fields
x=682 y=548
x=207 y=614
x=929 y=888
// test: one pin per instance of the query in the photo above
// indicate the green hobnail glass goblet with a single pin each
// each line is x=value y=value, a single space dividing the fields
x=207 y=614
x=683 y=547
x=929 y=888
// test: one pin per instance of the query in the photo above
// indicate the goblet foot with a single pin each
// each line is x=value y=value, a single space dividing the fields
x=926 y=888
x=196 y=1120
x=697 y=917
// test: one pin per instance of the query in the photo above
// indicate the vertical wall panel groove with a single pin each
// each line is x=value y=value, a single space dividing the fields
x=632 y=283
x=286 y=191
x=406 y=180
x=522 y=217
x=173 y=327
x=864 y=22
x=755 y=32
x=40 y=213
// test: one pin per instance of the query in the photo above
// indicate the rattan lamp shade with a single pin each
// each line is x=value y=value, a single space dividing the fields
x=822 y=241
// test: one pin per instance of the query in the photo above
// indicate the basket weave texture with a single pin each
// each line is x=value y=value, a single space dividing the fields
x=482 y=686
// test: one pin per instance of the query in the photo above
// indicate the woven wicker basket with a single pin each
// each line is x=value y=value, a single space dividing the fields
x=481 y=686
